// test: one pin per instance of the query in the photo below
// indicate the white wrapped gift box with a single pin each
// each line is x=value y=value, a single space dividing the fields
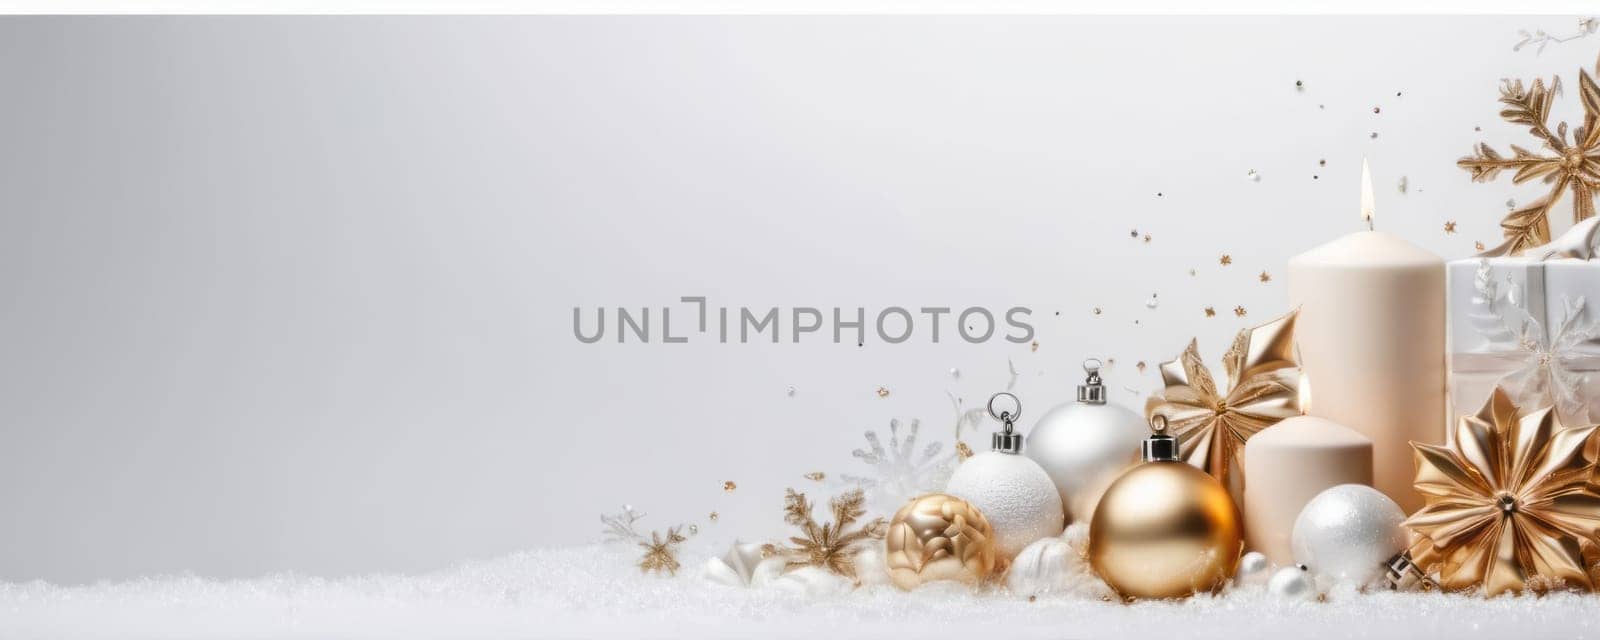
x=1523 y=323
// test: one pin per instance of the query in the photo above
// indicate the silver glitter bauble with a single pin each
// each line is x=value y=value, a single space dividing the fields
x=1085 y=445
x=1346 y=533
x=1291 y=583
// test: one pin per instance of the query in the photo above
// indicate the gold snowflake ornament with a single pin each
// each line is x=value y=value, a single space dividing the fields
x=661 y=553
x=1566 y=163
x=831 y=545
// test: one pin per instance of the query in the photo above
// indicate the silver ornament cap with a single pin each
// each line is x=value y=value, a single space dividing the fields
x=1159 y=447
x=1092 y=391
x=1006 y=440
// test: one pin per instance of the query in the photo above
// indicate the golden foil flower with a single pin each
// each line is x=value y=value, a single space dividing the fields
x=1513 y=505
x=1212 y=427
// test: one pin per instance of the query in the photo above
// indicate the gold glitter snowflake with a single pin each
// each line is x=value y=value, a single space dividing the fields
x=661 y=553
x=830 y=545
x=1570 y=164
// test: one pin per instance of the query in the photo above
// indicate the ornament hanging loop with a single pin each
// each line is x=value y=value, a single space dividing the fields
x=1007 y=440
x=1092 y=391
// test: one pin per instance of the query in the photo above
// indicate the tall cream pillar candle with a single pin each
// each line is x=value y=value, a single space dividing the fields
x=1371 y=334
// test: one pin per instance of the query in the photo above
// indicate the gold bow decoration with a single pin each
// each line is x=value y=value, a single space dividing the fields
x=1513 y=505
x=1212 y=427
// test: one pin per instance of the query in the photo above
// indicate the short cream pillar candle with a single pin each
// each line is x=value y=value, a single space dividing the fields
x=1288 y=464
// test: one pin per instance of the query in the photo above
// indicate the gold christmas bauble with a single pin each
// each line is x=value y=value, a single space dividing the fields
x=1165 y=529
x=938 y=537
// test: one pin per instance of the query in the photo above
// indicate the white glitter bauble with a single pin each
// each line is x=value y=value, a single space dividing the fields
x=1014 y=494
x=1084 y=446
x=1292 y=583
x=1254 y=568
x=1346 y=534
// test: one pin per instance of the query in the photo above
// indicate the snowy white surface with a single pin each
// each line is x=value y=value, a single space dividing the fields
x=595 y=592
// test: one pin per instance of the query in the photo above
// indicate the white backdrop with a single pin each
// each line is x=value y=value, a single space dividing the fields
x=296 y=293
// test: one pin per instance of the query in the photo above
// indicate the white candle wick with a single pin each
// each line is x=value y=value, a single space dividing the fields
x=1367 y=206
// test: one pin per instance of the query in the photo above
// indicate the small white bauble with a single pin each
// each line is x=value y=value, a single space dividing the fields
x=1291 y=583
x=1016 y=496
x=1085 y=445
x=1347 y=533
x=1254 y=568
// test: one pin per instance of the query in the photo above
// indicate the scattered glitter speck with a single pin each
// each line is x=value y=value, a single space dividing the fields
x=1035 y=346
x=1404 y=184
x=1097 y=310
x=1239 y=311
x=1511 y=203
x=714 y=517
x=1265 y=277
x=1478 y=246
x=1191 y=272
x=1373 y=135
x=816 y=476
x=1322 y=162
x=1158 y=194
x=1147 y=238
x=883 y=392
x=694 y=529
x=1450 y=226
x=1299 y=85
x=729 y=486
x=1376 y=110
x=955 y=374
x=1477 y=128
x=1152 y=302
x=1133 y=234
x=1140 y=366
x=791 y=391
x=1252 y=176
x=1210 y=312
x=1226 y=260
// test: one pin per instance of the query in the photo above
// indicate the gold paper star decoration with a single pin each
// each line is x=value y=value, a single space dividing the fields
x=1566 y=164
x=1212 y=426
x=829 y=545
x=1512 y=506
x=661 y=554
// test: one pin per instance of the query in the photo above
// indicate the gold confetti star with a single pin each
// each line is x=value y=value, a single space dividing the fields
x=815 y=476
x=1239 y=311
x=1450 y=227
x=729 y=486
x=1265 y=277
x=1478 y=246
x=883 y=392
x=1210 y=312
x=1226 y=260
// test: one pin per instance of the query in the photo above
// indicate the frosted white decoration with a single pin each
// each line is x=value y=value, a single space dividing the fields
x=1056 y=566
x=1346 y=534
x=812 y=582
x=1016 y=496
x=735 y=568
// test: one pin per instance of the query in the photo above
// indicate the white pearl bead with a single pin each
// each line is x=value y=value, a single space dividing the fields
x=1291 y=583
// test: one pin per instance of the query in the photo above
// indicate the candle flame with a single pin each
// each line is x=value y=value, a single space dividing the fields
x=1305 y=394
x=1367 y=206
